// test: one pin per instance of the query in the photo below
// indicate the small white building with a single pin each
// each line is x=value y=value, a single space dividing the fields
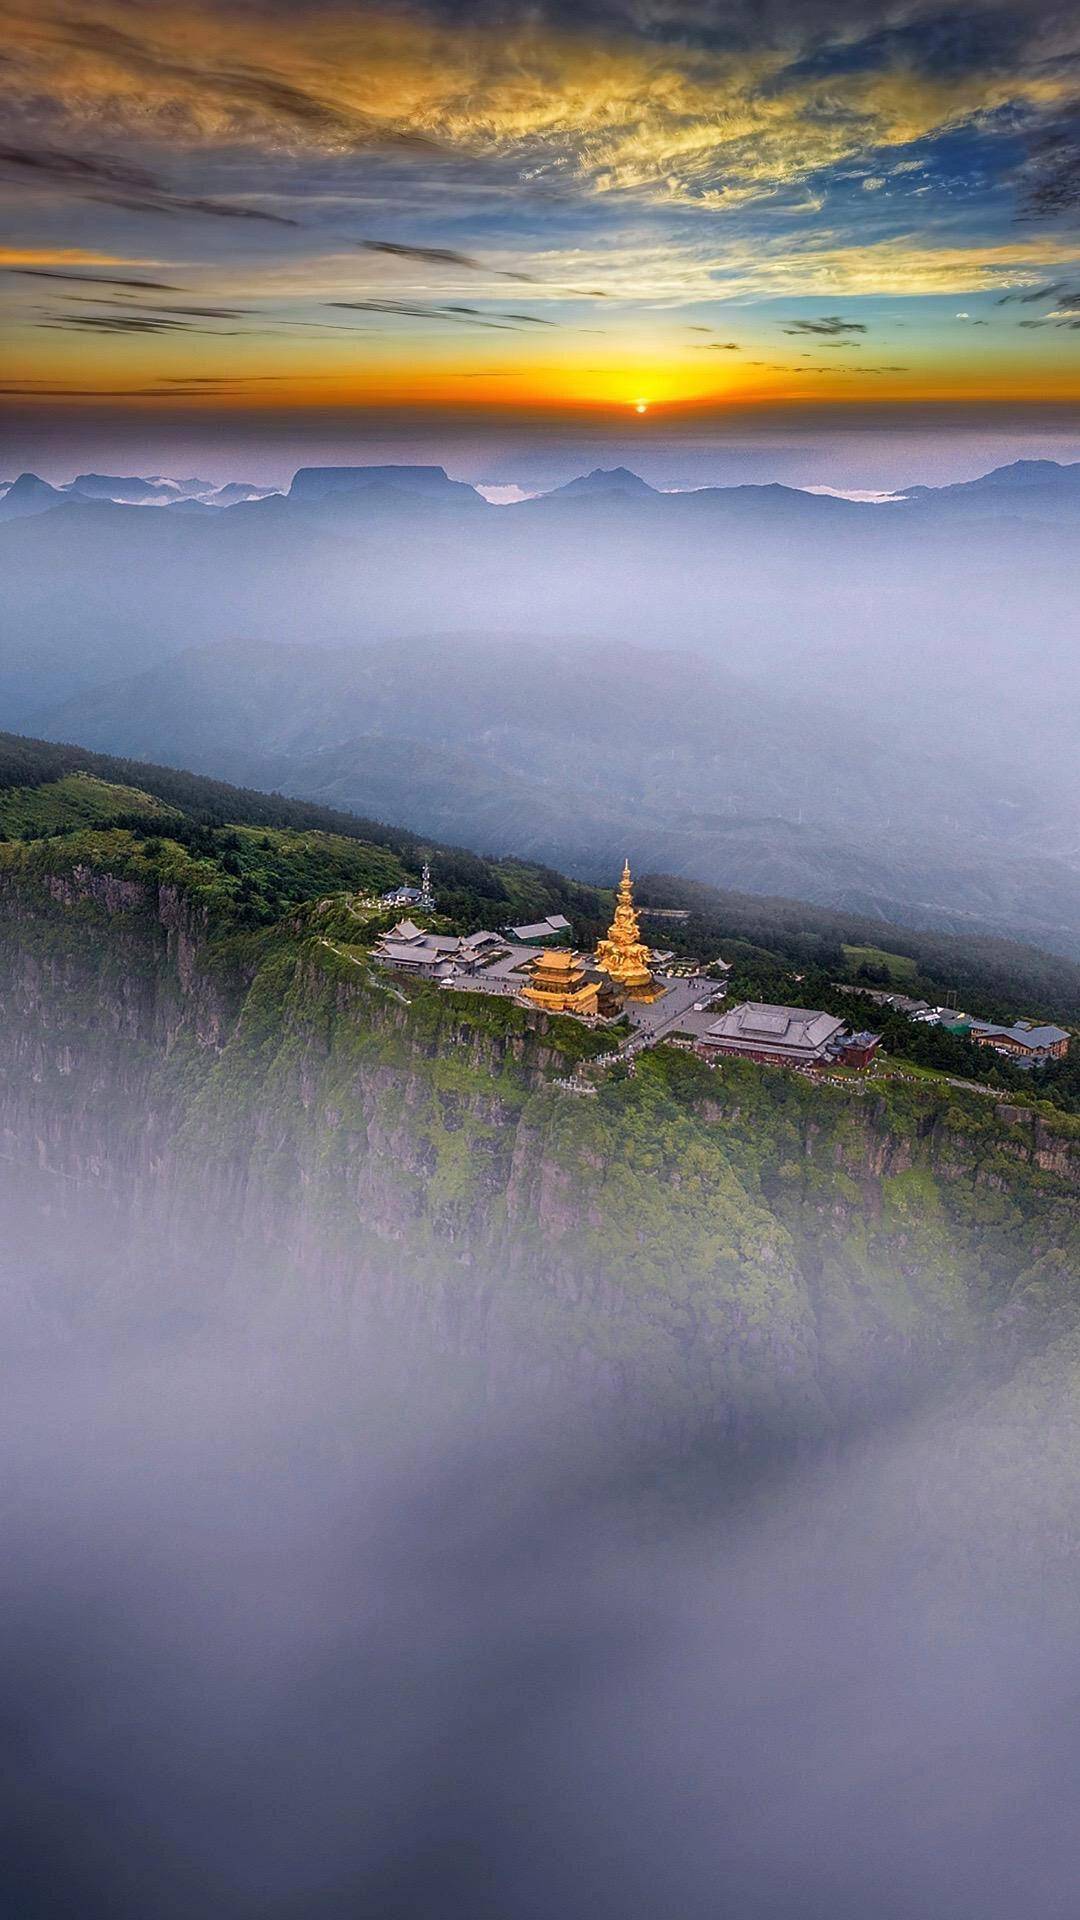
x=536 y=932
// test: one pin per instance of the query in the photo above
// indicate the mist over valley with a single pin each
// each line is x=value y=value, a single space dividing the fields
x=789 y=693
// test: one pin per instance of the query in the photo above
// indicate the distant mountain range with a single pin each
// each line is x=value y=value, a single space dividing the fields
x=1038 y=487
x=29 y=494
x=873 y=706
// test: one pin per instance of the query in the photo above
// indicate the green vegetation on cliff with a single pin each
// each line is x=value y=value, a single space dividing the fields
x=56 y=791
x=75 y=800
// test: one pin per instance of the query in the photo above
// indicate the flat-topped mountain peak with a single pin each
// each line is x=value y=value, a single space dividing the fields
x=318 y=483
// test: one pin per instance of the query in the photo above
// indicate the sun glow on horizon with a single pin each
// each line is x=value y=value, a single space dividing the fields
x=273 y=372
x=226 y=211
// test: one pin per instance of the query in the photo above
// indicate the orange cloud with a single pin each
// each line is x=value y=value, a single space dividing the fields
x=66 y=257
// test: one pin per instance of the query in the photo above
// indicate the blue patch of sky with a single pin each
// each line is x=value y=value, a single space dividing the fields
x=921 y=184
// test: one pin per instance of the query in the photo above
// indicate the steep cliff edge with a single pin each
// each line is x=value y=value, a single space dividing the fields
x=228 y=1101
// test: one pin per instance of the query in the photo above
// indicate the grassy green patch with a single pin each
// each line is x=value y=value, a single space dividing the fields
x=912 y=1068
x=77 y=800
x=877 y=966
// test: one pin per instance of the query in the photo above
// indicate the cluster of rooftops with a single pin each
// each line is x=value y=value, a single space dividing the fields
x=1025 y=1042
x=492 y=962
x=510 y=962
x=555 y=979
x=522 y=963
x=535 y=964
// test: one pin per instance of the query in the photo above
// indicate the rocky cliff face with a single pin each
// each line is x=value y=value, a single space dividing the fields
x=263 y=1127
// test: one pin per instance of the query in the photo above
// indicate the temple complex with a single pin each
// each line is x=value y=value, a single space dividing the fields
x=624 y=979
x=623 y=955
x=629 y=987
x=559 y=984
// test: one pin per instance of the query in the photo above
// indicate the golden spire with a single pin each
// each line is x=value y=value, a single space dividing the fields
x=624 y=955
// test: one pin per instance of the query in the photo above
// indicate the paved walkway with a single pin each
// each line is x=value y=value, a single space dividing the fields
x=684 y=1008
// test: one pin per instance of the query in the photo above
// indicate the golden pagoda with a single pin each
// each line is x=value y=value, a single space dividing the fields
x=623 y=956
x=558 y=984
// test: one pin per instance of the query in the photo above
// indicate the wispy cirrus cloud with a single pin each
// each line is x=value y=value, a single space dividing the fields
x=132 y=323
x=163 y=387
x=178 y=203
x=1028 y=296
x=620 y=104
x=451 y=257
x=118 y=183
x=90 y=279
x=455 y=315
x=831 y=325
x=440 y=257
x=79 y=169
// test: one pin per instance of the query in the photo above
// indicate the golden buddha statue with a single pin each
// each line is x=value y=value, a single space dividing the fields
x=623 y=956
x=558 y=983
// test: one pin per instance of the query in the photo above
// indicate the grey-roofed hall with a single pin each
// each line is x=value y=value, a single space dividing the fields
x=794 y=1036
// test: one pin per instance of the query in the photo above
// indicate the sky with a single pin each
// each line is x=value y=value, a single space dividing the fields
x=271 y=229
